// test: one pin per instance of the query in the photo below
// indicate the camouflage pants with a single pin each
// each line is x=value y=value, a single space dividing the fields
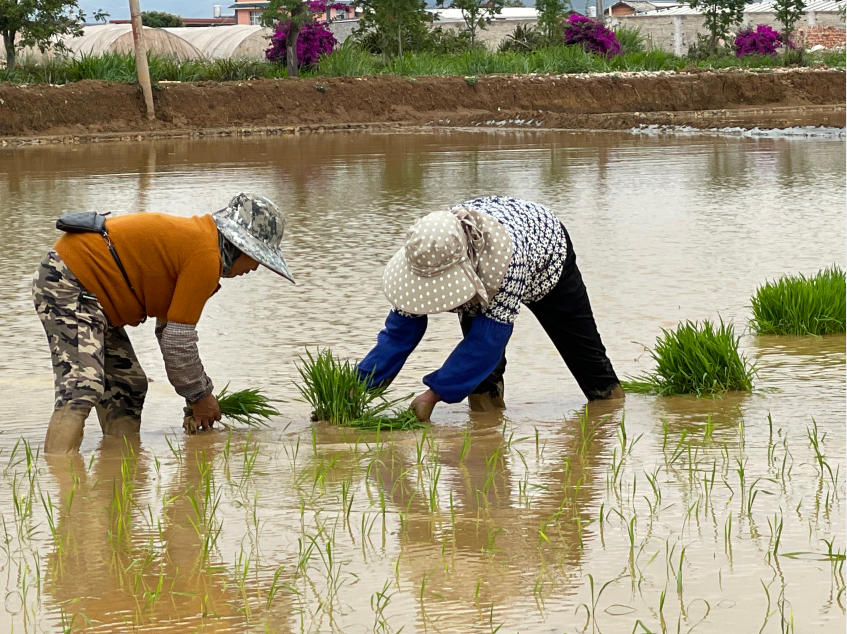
x=93 y=362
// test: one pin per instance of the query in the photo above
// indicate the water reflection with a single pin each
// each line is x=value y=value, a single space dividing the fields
x=122 y=561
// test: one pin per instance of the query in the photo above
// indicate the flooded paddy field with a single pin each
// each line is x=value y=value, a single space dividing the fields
x=662 y=515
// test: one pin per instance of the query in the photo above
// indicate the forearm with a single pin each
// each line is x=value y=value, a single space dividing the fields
x=178 y=343
x=471 y=361
x=394 y=344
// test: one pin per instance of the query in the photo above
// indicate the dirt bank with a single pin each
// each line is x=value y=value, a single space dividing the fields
x=89 y=109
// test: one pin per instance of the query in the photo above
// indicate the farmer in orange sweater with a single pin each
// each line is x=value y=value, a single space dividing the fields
x=91 y=285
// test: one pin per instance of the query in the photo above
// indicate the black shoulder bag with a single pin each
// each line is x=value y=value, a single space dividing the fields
x=92 y=222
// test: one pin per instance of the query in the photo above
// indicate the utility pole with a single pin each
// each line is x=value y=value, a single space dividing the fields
x=600 y=15
x=141 y=57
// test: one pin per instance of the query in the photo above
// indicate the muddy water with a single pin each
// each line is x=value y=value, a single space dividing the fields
x=487 y=521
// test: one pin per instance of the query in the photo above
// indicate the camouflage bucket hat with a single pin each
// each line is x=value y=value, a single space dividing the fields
x=255 y=225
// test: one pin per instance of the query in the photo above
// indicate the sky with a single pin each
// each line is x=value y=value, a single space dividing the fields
x=119 y=9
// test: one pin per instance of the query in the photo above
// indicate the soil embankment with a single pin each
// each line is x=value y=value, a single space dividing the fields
x=93 y=110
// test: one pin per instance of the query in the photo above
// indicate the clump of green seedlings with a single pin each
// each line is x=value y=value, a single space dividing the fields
x=247 y=407
x=696 y=358
x=341 y=397
x=799 y=305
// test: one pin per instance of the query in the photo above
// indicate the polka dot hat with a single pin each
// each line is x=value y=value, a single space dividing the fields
x=449 y=259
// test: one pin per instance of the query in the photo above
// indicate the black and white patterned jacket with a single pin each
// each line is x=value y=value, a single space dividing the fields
x=540 y=249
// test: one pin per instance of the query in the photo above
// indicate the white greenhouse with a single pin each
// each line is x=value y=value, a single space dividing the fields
x=117 y=38
x=227 y=42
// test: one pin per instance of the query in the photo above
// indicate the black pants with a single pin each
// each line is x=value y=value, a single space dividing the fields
x=565 y=314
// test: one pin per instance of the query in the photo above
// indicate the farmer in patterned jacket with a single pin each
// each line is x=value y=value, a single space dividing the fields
x=167 y=268
x=481 y=260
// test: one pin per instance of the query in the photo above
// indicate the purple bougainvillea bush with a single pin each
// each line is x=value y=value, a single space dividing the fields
x=592 y=35
x=762 y=40
x=314 y=39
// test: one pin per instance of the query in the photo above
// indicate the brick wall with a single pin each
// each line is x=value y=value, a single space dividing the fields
x=826 y=36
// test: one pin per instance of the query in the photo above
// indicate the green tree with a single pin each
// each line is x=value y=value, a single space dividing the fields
x=391 y=22
x=160 y=19
x=477 y=14
x=36 y=22
x=719 y=18
x=550 y=13
x=788 y=12
x=514 y=4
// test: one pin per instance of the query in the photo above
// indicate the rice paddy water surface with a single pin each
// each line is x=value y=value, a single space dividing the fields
x=669 y=514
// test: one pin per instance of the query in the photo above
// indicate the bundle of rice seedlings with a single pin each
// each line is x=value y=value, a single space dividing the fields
x=246 y=407
x=340 y=396
x=797 y=305
x=695 y=359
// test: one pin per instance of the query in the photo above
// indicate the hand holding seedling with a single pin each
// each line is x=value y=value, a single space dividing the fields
x=205 y=412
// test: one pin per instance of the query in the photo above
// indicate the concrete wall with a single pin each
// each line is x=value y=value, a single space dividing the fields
x=676 y=33
x=343 y=30
x=671 y=33
x=494 y=33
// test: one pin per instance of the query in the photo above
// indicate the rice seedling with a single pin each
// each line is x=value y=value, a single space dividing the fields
x=341 y=397
x=379 y=601
x=120 y=508
x=177 y=453
x=466 y=445
x=816 y=440
x=587 y=430
x=695 y=358
x=799 y=305
x=591 y=611
x=246 y=407
x=205 y=499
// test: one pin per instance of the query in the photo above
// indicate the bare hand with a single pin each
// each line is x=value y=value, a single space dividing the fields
x=423 y=404
x=206 y=412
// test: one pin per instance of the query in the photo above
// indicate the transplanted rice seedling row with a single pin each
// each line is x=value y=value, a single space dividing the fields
x=487 y=528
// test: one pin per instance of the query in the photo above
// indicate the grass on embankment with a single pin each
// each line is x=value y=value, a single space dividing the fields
x=341 y=397
x=695 y=358
x=350 y=60
x=799 y=305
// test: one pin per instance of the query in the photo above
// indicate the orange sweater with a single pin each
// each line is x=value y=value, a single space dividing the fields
x=174 y=265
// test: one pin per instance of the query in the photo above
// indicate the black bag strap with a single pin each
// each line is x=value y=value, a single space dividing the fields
x=92 y=222
x=117 y=259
